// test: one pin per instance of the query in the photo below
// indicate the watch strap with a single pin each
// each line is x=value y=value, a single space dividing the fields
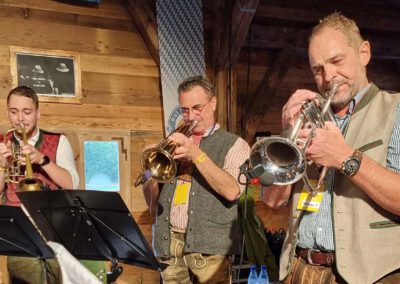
x=46 y=160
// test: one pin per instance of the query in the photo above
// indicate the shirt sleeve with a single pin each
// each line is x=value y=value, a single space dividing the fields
x=393 y=154
x=65 y=159
x=236 y=156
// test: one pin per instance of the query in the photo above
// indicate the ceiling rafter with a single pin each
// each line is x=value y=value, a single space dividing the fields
x=229 y=43
x=260 y=102
x=145 y=19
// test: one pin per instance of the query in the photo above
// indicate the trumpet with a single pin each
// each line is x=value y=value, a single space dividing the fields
x=25 y=181
x=282 y=156
x=158 y=163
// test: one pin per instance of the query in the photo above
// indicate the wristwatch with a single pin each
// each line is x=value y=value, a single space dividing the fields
x=351 y=165
x=45 y=161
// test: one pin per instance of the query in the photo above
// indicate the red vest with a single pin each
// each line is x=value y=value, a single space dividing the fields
x=47 y=144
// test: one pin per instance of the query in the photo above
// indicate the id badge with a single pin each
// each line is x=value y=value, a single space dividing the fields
x=181 y=193
x=311 y=202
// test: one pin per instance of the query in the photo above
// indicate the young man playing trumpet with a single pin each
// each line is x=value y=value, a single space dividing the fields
x=52 y=162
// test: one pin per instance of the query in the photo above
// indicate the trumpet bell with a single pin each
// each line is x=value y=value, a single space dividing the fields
x=159 y=163
x=29 y=184
x=280 y=157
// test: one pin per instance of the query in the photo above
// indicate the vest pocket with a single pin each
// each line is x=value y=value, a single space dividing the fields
x=371 y=145
x=384 y=224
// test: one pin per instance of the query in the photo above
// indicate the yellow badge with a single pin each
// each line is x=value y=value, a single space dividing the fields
x=181 y=192
x=309 y=202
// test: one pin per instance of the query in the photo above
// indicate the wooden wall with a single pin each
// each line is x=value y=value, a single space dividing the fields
x=120 y=81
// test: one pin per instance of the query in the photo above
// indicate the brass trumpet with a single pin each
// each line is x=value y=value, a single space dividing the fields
x=158 y=163
x=13 y=173
x=282 y=156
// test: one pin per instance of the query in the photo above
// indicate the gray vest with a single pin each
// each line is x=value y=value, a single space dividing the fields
x=213 y=221
x=356 y=218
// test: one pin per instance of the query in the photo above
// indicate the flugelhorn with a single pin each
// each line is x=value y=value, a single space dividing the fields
x=25 y=181
x=158 y=163
x=282 y=156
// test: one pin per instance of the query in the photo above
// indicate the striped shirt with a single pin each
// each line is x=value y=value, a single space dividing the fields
x=236 y=156
x=316 y=228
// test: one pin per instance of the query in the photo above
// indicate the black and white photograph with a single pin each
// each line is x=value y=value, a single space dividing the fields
x=52 y=75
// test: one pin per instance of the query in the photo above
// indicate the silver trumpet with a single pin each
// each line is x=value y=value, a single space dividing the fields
x=283 y=156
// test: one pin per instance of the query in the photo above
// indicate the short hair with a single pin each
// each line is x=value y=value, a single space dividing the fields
x=24 y=91
x=201 y=81
x=341 y=23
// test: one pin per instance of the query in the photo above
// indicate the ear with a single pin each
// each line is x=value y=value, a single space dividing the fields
x=365 y=53
x=213 y=102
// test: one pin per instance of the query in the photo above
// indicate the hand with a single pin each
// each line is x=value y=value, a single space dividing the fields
x=35 y=156
x=5 y=152
x=186 y=149
x=293 y=106
x=328 y=147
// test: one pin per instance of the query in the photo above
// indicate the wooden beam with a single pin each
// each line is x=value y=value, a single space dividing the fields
x=230 y=43
x=265 y=37
x=294 y=13
x=145 y=20
x=260 y=102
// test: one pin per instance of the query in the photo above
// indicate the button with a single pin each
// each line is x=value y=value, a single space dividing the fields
x=191 y=211
x=165 y=237
x=166 y=219
x=188 y=246
x=165 y=253
x=168 y=200
x=192 y=192
x=190 y=229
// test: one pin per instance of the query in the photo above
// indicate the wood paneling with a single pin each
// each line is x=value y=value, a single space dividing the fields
x=120 y=83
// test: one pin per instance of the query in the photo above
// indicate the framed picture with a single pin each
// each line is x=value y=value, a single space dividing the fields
x=54 y=75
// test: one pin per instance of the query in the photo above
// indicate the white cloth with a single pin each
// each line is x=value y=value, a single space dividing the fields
x=72 y=271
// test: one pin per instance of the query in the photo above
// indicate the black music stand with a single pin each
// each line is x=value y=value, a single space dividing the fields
x=18 y=236
x=93 y=225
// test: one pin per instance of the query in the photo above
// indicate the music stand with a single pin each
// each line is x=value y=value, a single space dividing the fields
x=18 y=236
x=93 y=225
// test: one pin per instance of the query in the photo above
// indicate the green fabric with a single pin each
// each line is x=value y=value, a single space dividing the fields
x=98 y=268
x=32 y=270
x=256 y=246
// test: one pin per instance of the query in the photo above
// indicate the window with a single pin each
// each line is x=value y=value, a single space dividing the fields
x=102 y=165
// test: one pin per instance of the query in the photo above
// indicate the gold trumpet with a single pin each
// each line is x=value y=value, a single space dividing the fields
x=158 y=163
x=14 y=170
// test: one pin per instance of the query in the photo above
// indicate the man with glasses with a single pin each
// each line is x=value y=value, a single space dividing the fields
x=197 y=228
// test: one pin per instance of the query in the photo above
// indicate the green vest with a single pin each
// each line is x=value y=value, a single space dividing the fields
x=364 y=251
x=213 y=221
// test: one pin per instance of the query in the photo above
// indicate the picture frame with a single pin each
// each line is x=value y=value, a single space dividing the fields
x=54 y=75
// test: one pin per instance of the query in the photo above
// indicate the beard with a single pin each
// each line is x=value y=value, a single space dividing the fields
x=342 y=98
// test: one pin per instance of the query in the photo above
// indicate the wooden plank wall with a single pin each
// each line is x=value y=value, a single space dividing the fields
x=120 y=81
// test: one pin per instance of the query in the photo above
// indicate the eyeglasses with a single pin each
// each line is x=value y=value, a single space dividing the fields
x=196 y=109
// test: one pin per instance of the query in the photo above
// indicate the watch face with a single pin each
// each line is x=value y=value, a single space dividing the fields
x=351 y=166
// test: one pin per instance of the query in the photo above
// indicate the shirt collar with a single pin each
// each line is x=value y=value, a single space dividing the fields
x=211 y=130
x=31 y=141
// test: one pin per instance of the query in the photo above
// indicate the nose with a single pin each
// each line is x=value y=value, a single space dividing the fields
x=20 y=116
x=329 y=73
x=191 y=115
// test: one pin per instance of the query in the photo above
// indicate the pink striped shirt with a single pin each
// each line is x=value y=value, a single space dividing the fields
x=236 y=156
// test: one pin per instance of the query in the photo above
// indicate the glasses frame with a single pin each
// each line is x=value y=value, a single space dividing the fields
x=196 y=109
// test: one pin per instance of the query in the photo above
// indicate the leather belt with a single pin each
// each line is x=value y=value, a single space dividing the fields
x=316 y=257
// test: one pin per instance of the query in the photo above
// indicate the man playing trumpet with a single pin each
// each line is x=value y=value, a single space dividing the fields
x=349 y=232
x=197 y=220
x=52 y=162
